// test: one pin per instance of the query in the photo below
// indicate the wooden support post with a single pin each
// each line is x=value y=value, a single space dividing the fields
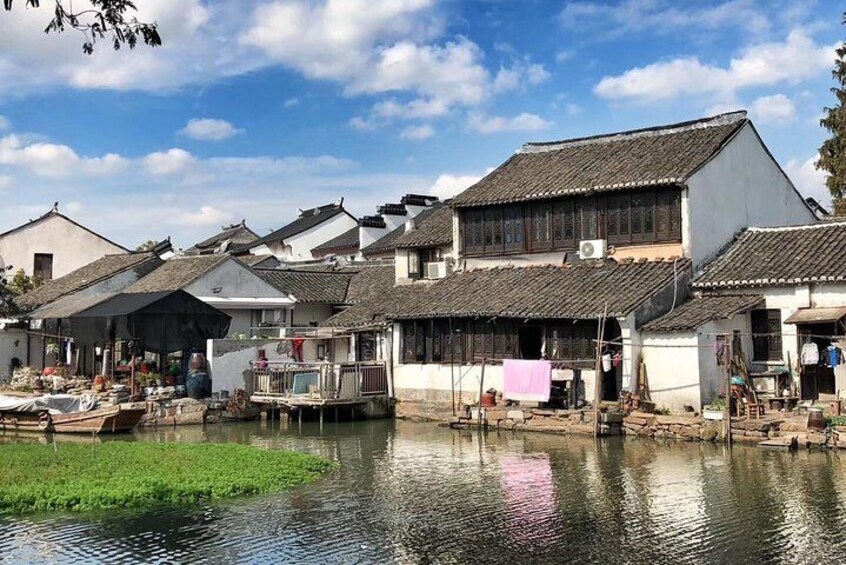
x=727 y=362
x=336 y=414
x=597 y=388
x=481 y=389
x=321 y=418
x=300 y=416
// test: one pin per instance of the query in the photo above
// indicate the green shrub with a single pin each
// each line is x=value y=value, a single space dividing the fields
x=79 y=477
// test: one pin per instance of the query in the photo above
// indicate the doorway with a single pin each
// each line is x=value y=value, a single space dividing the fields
x=530 y=338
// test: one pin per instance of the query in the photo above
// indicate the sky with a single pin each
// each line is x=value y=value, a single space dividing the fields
x=254 y=109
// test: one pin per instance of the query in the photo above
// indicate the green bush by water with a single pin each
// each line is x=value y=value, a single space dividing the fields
x=79 y=477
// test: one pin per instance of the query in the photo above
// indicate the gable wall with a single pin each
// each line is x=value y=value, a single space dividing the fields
x=301 y=244
x=741 y=187
x=72 y=246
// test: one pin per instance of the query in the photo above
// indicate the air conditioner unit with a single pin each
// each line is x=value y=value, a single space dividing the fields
x=592 y=249
x=435 y=270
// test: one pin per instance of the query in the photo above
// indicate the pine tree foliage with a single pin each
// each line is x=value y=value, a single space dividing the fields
x=833 y=150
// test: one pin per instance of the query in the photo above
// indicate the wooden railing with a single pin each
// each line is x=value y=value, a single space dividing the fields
x=324 y=381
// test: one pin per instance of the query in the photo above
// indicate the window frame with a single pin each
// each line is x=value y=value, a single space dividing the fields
x=767 y=344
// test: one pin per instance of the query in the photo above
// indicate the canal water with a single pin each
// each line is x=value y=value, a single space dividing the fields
x=417 y=493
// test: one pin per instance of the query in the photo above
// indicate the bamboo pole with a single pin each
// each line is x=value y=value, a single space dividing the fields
x=727 y=354
x=597 y=388
x=481 y=389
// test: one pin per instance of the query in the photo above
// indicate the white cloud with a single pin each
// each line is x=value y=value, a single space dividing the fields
x=53 y=160
x=206 y=216
x=198 y=49
x=449 y=185
x=208 y=129
x=809 y=180
x=170 y=162
x=417 y=133
x=519 y=75
x=372 y=47
x=291 y=102
x=362 y=124
x=796 y=59
x=496 y=124
x=5 y=123
x=565 y=55
x=776 y=108
x=5 y=181
x=536 y=73
x=663 y=16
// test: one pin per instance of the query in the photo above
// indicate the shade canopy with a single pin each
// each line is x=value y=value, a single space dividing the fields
x=817 y=315
x=156 y=321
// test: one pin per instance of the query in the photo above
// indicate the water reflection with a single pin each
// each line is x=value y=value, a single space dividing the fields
x=417 y=493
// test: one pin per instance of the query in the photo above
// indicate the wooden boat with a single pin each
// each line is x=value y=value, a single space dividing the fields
x=112 y=419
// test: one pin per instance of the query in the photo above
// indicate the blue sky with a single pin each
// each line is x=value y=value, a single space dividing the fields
x=254 y=109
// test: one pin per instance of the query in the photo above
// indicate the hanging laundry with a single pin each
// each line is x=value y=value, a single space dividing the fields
x=833 y=357
x=810 y=354
x=527 y=380
x=719 y=350
x=618 y=358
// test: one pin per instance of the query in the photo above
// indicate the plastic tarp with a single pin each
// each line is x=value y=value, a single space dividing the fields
x=55 y=403
x=156 y=321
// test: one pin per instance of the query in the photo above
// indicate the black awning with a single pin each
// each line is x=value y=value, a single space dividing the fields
x=156 y=321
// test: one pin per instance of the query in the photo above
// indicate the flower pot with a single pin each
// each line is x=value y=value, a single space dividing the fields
x=198 y=385
x=716 y=415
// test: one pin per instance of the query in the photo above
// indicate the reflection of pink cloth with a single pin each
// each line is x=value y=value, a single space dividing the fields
x=527 y=486
x=527 y=380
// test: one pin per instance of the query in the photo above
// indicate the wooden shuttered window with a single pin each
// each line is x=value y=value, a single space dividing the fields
x=571 y=341
x=766 y=335
x=624 y=217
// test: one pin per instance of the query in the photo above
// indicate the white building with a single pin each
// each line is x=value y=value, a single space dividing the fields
x=653 y=204
x=51 y=246
x=294 y=242
x=774 y=287
x=227 y=284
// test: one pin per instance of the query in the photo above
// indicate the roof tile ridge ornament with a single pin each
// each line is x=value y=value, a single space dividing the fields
x=712 y=121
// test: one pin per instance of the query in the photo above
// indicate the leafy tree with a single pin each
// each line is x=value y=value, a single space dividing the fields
x=147 y=245
x=107 y=19
x=833 y=150
x=22 y=283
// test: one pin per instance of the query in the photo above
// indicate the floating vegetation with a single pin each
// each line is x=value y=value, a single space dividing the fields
x=81 y=477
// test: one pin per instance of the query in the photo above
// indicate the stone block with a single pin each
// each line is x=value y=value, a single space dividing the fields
x=611 y=417
x=676 y=420
x=635 y=420
x=751 y=425
x=576 y=418
x=516 y=415
x=494 y=415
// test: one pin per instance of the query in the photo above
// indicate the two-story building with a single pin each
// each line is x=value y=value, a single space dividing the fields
x=567 y=234
x=51 y=246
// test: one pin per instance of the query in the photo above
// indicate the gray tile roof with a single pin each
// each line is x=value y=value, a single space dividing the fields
x=388 y=242
x=779 y=257
x=178 y=273
x=433 y=230
x=95 y=272
x=344 y=242
x=700 y=310
x=571 y=292
x=238 y=234
x=370 y=282
x=306 y=220
x=655 y=156
x=318 y=287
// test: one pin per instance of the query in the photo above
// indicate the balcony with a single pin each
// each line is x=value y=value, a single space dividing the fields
x=318 y=384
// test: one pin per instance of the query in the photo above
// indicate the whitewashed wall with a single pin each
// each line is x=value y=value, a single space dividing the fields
x=229 y=358
x=12 y=344
x=741 y=187
x=72 y=246
x=300 y=245
x=672 y=369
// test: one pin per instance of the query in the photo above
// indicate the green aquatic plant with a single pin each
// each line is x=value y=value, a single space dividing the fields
x=80 y=477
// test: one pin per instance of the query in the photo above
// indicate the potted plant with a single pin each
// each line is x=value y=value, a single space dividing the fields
x=715 y=411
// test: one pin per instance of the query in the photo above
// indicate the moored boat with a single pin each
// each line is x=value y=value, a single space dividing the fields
x=33 y=416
